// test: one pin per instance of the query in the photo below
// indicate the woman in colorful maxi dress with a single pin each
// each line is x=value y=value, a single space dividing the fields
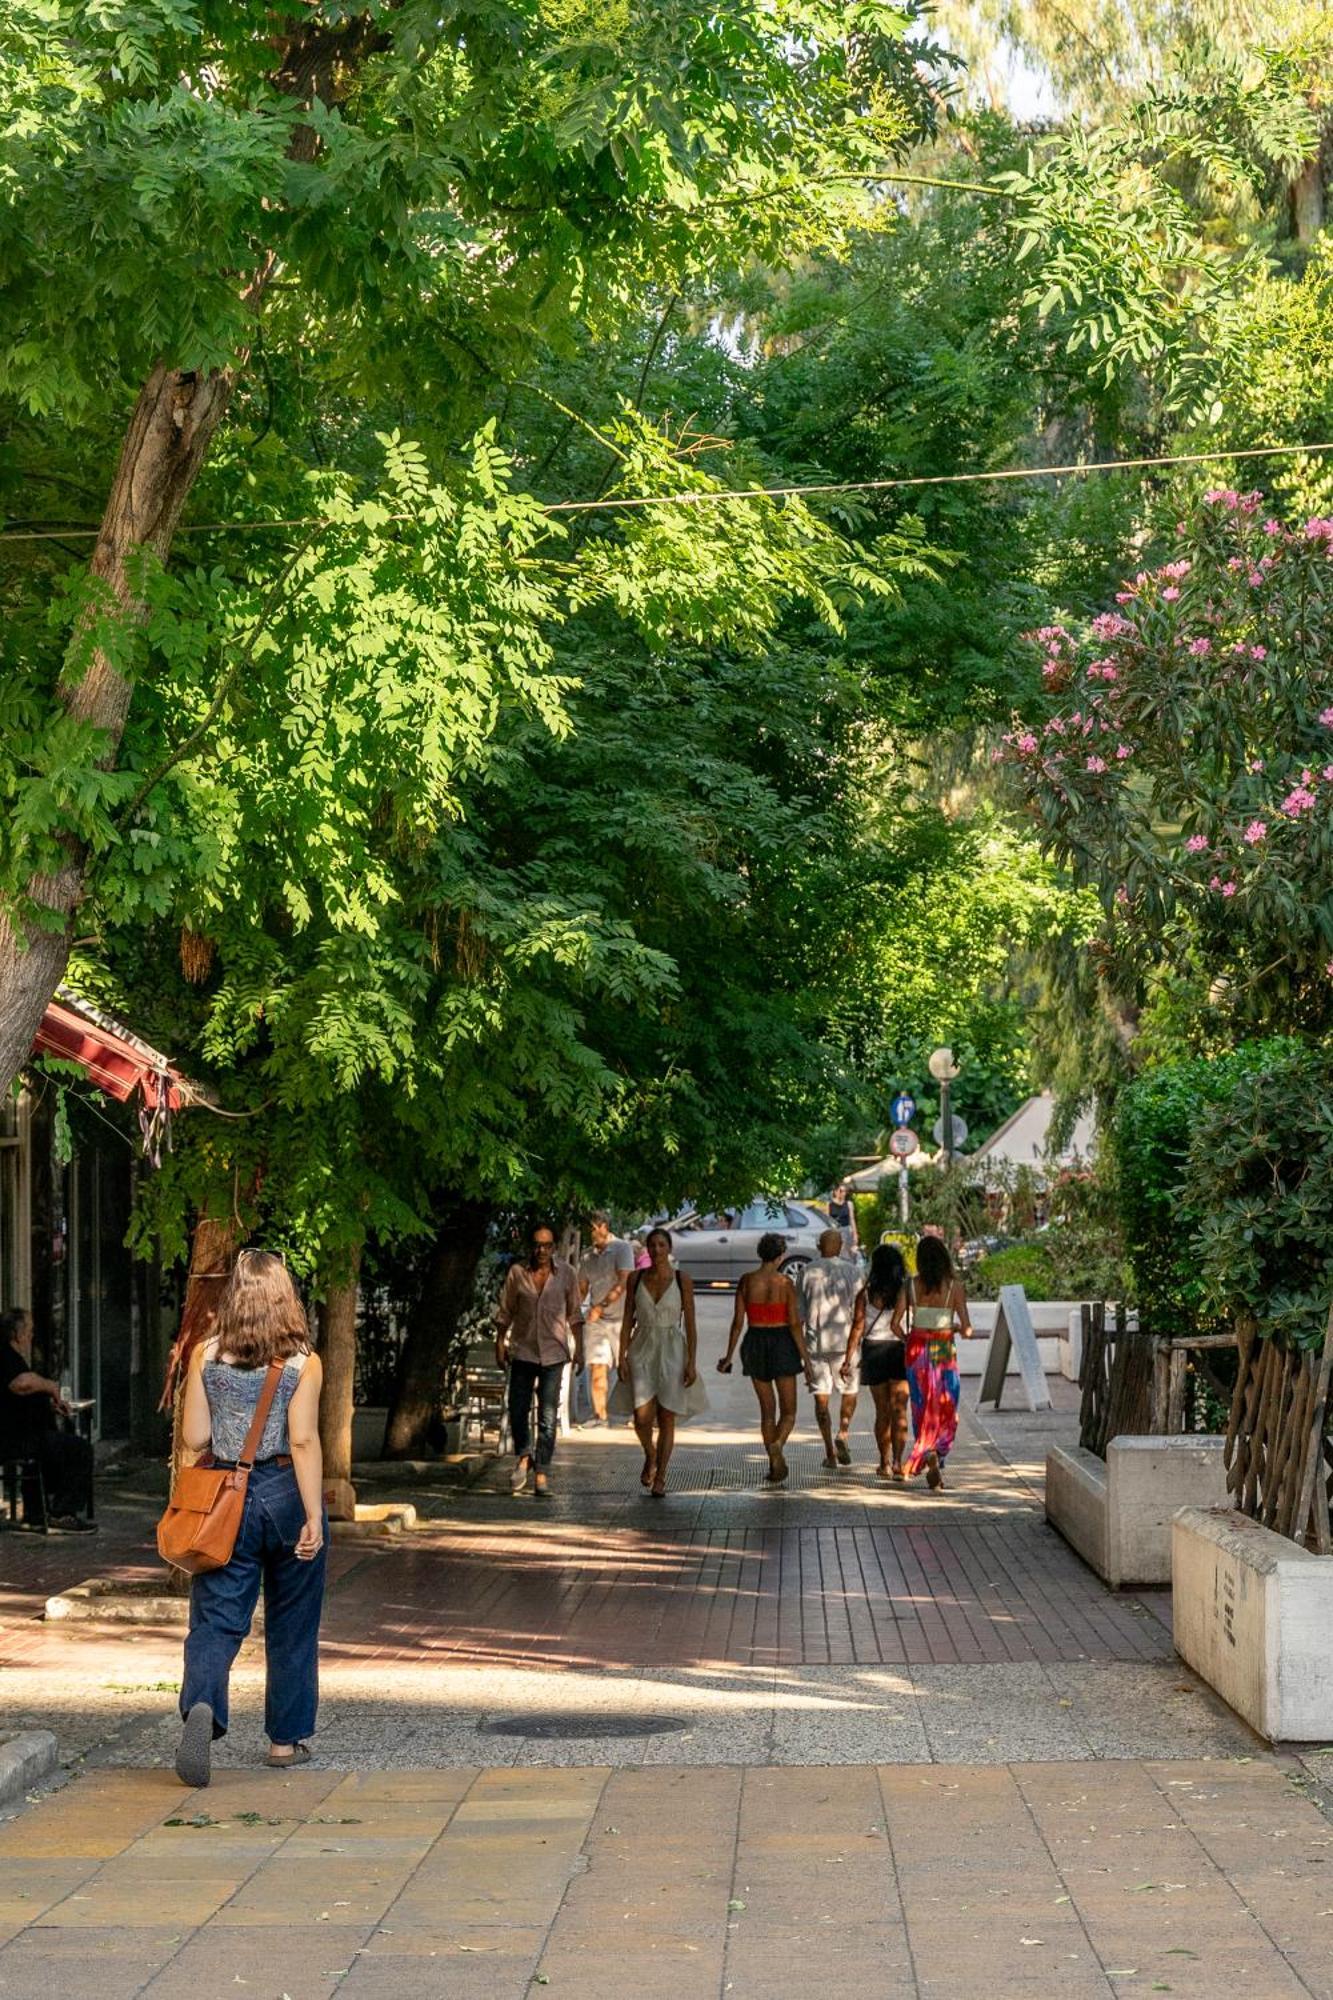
x=658 y=1357
x=938 y=1307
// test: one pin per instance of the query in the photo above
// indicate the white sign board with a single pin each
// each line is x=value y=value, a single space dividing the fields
x=1014 y=1333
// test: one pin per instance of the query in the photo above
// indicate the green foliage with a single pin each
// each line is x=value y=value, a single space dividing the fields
x=1159 y=1200
x=1030 y=1265
x=1182 y=771
x=1259 y=1189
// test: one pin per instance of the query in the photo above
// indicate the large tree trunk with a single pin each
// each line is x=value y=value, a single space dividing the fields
x=1307 y=199
x=446 y=1289
x=174 y=421
x=337 y=1347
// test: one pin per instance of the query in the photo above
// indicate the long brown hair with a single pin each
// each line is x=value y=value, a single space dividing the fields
x=259 y=1317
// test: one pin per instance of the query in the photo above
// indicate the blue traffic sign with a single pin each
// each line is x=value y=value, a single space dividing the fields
x=903 y=1108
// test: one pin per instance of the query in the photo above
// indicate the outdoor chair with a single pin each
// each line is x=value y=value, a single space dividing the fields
x=485 y=1395
x=15 y=1473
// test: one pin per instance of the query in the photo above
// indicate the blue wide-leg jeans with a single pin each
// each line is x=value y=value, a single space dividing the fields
x=222 y=1603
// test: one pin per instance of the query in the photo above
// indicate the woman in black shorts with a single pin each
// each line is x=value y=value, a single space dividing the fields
x=773 y=1351
x=883 y=1356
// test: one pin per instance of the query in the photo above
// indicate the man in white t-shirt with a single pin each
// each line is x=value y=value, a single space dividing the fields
x=605 y=1273
x=829 y=1294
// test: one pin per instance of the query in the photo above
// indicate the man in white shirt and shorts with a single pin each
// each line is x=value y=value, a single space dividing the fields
x=605 y=1273
x=829 y=1294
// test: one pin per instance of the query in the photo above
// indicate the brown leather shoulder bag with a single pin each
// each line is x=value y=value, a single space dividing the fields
x=203 y=1517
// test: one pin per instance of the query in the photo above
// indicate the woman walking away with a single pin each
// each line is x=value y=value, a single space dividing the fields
x=773 y=1353
x=938 y=1306
x=658 y=1357
x=877 y=1334
x=259 y=1346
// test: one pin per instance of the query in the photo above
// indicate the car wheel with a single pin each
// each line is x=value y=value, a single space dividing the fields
x=792 y=1267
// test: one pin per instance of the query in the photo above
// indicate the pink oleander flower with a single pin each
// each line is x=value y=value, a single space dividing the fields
x=1122 y=751
x=1050 y=668
x=1234 y=562
x=1307 y=777
x=1096 y=765
x=1197 y=844
x=1256 y=764
x=1170 y=594
x=1256 y=831
x=1272 y=527
x=1255 y=578
x=1319 y=529
x=1216 y=882
x=1327 y=774
x=1180 y=567
x=1026 y=744
x=1252 y=502
x=1258 y=652
x=1124 y=597
x=1200 y=647
x=1326 y=717
x=1228 y=888
x=1300 y=799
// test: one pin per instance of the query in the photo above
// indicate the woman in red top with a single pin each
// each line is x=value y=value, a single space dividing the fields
x=773 y=1352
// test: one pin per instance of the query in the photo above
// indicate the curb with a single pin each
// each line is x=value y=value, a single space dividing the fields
x=24 y=1761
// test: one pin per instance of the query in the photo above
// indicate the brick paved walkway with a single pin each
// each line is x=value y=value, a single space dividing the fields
x=948 y=1590
x=1198 y=1880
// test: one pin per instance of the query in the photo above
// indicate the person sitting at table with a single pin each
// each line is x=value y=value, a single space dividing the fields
x=30 y=1408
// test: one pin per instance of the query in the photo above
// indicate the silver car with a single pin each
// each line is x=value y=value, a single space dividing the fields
x=719 y=1248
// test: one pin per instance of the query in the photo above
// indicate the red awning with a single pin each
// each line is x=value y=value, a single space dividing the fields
x=112 y=1058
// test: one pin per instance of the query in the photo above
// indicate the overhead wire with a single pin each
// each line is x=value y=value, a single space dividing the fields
x=716 y=496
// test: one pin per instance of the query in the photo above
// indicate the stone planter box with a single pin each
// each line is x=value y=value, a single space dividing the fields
x=1050 y=1323
x=1252 y=1613
x=1118 y=1515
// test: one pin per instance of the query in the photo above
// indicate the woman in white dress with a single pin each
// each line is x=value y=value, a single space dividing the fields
x=658 y=1350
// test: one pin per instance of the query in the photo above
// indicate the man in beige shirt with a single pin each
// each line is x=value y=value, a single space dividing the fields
x=538 y=1332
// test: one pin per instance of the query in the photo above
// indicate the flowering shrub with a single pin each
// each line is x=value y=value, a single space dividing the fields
x=1183 y=767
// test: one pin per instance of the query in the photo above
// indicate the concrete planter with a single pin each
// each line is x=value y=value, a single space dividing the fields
x=1252 y=1613
x=1050 y=1323
x=1118 y=1515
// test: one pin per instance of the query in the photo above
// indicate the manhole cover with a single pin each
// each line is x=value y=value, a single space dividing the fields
x=574 y=1724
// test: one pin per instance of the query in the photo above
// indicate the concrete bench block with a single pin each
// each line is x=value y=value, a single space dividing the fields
x=1148 y=1480
x=1252 y=1613
x=1076 y=1503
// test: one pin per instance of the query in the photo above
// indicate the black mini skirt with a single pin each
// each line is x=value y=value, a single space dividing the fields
x=769 y=1352
x=882 y=1361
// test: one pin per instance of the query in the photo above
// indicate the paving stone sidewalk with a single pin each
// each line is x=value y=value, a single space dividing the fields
x=1197 y=1879
x=740 y=1744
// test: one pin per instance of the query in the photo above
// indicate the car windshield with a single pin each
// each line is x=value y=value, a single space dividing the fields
x=762 y=1215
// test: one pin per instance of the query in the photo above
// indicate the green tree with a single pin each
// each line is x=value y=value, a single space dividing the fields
x=191 y=191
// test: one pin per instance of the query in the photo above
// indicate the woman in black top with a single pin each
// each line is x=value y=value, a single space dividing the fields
x=883 y=1356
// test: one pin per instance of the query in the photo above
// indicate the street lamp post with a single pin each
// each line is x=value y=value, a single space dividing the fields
x=944 y=1070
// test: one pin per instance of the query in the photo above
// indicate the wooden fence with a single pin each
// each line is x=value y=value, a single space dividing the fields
x=1115 y=1377
x=1279 y=1455
x=1279 y=1450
